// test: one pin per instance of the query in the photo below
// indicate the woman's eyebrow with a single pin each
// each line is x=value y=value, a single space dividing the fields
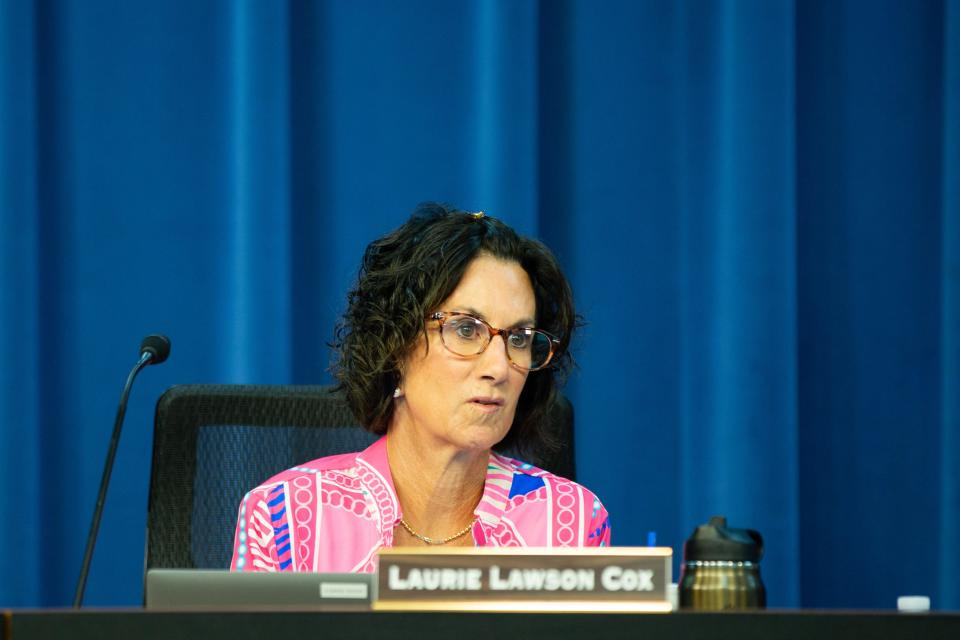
x=523 y=322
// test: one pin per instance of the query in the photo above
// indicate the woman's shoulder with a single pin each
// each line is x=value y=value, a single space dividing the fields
x=527 y=477
x=547 y=509
x=519 y=467
x=342 y=465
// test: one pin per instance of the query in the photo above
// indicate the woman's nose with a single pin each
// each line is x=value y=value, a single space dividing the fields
x=494 y=361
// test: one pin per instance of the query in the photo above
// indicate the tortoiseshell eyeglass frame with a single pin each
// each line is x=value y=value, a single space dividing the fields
x=443 y=316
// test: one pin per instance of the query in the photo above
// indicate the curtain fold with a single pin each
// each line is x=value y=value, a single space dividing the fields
x=258 y=251
x=870 y=99
x=756 y=203
x=21 y=490
x=737 y=256
x=950 y=324
x=504 y=105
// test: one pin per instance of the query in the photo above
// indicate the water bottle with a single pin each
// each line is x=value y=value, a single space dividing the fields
x=721 y=568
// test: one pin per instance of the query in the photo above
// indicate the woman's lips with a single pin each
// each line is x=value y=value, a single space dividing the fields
x=487 y=404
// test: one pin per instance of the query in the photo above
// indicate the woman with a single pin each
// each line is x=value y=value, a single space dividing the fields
x=451 y=347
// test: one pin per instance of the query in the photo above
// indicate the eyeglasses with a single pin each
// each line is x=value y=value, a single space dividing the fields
x=527 y=349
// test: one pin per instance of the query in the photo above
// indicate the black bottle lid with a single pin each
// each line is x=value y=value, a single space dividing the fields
x=715 y=541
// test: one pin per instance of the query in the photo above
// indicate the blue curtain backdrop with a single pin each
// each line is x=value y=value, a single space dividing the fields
x=757 y=203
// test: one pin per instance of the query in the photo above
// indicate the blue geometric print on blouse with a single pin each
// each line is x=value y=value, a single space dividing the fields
x=523 y=484
x=599 y=531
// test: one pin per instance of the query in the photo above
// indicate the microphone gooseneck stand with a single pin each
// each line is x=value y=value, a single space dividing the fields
x=153 y=350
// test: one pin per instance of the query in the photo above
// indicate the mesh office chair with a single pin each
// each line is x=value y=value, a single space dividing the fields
x=212 y=443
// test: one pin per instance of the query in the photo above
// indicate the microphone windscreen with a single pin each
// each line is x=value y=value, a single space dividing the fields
x=158 y=345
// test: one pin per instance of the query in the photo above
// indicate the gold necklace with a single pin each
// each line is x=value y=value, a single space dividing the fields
x=427 y=540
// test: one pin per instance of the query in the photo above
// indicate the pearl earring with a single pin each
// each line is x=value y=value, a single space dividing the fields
x=397 y=393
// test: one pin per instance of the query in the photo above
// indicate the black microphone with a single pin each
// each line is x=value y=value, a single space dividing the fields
x=153 y=350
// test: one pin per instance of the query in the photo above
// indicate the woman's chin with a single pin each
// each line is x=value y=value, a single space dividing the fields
x=481 y=438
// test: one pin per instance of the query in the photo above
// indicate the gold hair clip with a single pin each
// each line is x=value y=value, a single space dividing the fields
x=477 y=215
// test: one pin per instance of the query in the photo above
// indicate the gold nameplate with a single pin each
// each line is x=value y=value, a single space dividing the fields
x=529 y=579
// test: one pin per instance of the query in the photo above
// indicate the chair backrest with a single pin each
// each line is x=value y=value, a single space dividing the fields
x=212 y=443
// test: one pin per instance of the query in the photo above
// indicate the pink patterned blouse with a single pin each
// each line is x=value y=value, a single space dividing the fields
x=334 y=513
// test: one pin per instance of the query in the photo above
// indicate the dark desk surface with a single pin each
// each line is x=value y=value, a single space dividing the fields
x=212 y=625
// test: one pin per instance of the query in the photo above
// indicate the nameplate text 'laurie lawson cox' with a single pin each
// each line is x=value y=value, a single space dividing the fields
x=620 y=574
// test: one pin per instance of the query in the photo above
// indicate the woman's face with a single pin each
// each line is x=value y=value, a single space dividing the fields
x=468 y=403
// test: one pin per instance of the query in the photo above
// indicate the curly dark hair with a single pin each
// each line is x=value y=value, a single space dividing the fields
x=407 y=274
